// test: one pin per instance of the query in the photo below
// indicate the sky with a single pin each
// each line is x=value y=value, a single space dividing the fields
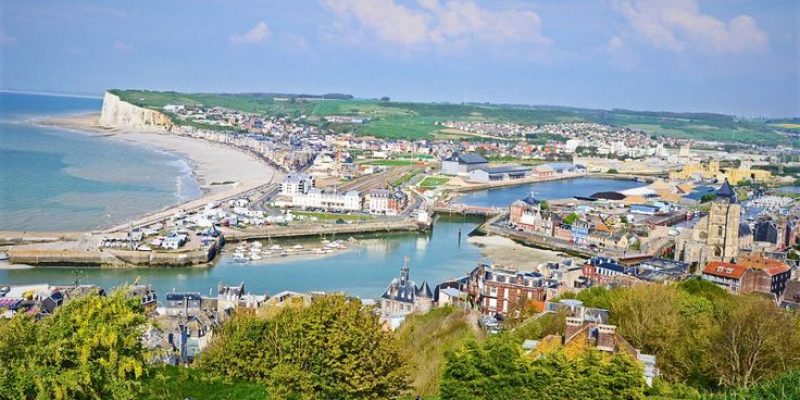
x=738 y=57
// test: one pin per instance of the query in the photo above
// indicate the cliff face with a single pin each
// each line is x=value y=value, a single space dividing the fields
x=121 y=115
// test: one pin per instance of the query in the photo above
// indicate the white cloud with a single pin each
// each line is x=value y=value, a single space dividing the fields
x=678 y=24
x=435 y=22
x=6 y=39
x=121 y=46
x=258 y=34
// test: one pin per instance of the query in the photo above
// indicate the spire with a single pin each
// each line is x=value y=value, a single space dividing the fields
x=404 y=272
x=726 y=192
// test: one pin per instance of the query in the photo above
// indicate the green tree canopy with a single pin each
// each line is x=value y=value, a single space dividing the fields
x=89 y=349
x=498 y=370
x=332 y=349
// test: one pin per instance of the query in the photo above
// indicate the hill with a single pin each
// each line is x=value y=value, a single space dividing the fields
x=411 y=120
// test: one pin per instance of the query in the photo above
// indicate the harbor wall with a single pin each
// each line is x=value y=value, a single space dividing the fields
x=119 y=114
x=274 y=232
x=113 y=257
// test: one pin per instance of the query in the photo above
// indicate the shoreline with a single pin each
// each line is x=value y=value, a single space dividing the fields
x=211 y=164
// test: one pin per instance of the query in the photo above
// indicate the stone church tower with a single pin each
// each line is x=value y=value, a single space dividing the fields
x=723 y=225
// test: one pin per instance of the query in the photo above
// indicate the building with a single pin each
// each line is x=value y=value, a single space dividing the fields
x=602 y=270
x=750 y=274
x=403 y=296
x=463 y=163
x=497 y=291
x=527 y=215
x=182 y=303
x=496 y=174
x=328 y=201
x=385 y=201
x=712 y=171
x=717 y=236
x=297 y=184
x=587 y=329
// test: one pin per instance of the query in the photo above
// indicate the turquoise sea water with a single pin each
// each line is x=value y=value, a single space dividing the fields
x=53 y=179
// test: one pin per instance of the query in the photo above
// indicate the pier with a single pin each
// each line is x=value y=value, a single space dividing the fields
x=278 y=231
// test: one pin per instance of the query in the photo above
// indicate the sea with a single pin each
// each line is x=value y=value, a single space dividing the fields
x=54 y=179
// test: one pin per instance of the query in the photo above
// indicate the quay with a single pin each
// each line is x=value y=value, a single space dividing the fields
x=277 y=231
x=51 y=256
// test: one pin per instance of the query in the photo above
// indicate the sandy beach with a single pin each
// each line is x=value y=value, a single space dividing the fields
x=507 y=253
x=221 y=171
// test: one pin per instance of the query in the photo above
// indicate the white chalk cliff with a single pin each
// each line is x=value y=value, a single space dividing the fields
x=119 y=114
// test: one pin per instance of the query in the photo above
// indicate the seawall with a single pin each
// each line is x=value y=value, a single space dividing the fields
x=113 y=257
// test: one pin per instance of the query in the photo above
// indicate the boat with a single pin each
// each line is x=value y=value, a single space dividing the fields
x=276 y=247
x=325 y=241
x=255 y=257
x=240 y=258
x=298 y=247
x=257 y=245
x=318 y=251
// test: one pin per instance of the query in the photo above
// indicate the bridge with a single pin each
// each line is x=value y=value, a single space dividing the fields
x=463 y=209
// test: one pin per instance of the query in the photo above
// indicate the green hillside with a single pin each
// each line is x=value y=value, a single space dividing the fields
x=417 y=120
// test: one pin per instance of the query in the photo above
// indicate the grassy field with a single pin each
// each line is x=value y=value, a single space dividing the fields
x=418 y=120
x=433 y=181
x=404 y=178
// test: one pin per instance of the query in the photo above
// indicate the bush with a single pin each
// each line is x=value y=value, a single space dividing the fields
x=332 y=349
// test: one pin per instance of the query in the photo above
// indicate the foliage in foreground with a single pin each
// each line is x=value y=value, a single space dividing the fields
x=169 y=383
x=89 y=349
x=332 y=349
x=703 y=336
x=424 y=340
x=499 y=370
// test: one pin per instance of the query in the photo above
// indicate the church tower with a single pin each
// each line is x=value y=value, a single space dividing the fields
x=723 y=225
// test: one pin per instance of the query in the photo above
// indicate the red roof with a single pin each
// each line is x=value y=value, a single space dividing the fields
x=770 y=266
x=725 y=269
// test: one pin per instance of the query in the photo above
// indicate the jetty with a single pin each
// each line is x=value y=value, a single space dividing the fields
x=309 y=230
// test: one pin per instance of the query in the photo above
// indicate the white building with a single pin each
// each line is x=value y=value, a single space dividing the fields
x=297 y=184
x=329 y=201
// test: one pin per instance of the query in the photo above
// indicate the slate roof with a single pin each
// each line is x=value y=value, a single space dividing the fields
x=726 y=192
x=467 y=158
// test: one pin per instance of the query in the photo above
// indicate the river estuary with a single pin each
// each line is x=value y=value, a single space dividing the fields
x=364 y=269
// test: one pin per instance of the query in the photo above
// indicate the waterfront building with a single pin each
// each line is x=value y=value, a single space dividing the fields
x=385 y=201
x=527 y=215
x=497 y=174
x=328 y=201
x=403 y=296
x=186 y=303
x=463 y=163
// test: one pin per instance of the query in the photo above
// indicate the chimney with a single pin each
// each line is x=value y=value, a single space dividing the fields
x=605 y=337
x=573 y=326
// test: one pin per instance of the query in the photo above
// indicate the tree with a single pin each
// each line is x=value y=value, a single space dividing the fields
x=330 y=349
x=612 y=171
x=90 y=348
x=708 y=197
x=754 y=340
x=544 y=205
x=498 y=370
x=571 y=218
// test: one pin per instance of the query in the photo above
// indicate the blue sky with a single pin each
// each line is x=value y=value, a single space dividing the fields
x=733 y=56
